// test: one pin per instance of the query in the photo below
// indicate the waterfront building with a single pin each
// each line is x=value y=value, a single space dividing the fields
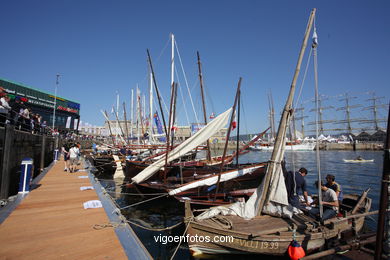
x=67 y=115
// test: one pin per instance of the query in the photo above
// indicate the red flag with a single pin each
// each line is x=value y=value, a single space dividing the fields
x=234 y=123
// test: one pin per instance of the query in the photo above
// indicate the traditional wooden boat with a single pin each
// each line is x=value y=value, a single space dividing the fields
x=266 y=223
x=272 y=235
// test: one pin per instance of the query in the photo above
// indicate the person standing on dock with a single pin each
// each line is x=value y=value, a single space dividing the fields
x=65 y=151
x=73 y=157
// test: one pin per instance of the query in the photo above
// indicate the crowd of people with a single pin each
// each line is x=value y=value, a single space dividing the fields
x=17 y=113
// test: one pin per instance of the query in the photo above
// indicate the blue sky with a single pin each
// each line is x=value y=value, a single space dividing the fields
x=99 y=47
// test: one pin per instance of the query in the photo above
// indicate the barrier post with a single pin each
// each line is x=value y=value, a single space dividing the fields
x=56 y=155
x=26 y=175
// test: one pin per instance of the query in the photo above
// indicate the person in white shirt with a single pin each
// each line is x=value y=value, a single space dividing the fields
x=73 y=157
x=330 y=204
x=4 y=110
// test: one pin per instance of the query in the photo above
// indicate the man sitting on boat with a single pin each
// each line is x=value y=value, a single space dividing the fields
x=296 y=182
x=332 y=184
x=330 y=203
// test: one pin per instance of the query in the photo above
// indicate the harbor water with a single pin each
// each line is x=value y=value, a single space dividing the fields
x=166 y=211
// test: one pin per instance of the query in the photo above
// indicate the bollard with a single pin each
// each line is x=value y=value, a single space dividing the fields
x=56 y=155
x=26 y=175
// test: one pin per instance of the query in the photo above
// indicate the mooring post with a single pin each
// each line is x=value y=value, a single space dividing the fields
x=5 y=172
x=43 y=151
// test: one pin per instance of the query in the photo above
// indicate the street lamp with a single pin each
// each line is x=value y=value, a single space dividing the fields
x=55 y=102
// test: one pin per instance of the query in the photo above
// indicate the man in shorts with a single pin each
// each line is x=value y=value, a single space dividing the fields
x=74 y=157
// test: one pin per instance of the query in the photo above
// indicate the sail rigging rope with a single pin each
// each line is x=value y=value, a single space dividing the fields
x=182 y=99
x=185 y=79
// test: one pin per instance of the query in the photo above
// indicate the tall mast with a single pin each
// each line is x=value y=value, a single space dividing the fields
x=157 y=92
x=285 y=118
x=172 y=58
x=318 y=113
x=117 y=114
x=228 y=135
x=132 y=114
x=203 y=103
x=151 y=106
x=384 y=197
x=125 y=118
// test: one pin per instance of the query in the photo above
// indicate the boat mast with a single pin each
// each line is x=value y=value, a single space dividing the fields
x=384 y=198
x=132 y=115
x=203 y=103
x=125 y=117
x=151 y=107
x=157 y=92
x=285 y=118
x=228 y=136
x=318 y=113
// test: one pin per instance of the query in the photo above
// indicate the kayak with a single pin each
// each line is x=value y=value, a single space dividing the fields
x=358 y=161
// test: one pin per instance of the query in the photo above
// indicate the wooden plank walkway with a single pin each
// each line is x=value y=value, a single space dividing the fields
x=51 y=223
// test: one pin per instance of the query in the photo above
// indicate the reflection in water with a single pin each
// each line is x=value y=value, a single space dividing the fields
x=166 y=211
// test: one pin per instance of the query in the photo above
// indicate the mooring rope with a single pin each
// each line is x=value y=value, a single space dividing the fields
x=185 y=231
x=155 y=229
x=136 y=194
x=144 y=201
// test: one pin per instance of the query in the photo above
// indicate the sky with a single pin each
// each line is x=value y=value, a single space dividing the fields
x=99 y=49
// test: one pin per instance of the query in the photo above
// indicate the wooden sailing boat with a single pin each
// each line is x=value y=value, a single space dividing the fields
x=247 y=230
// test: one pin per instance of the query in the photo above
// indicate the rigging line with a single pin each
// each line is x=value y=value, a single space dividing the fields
x=244 y=115
x=141 y=202
x=303 y=79
x=182 y=98
x=185 y=79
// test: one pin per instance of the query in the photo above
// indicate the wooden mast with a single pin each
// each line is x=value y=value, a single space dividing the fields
x=125 y=117
x=384 y=198
x=158 y=93
x=228 y=136
x=203 y=104
x=287 y=111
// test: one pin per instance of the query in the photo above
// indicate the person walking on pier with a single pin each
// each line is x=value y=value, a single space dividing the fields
x=73 y=157
x=65 y=151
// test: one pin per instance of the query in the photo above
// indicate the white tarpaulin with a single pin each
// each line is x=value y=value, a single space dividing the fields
x=276 y=201
x=197 y=139
x=208 y=181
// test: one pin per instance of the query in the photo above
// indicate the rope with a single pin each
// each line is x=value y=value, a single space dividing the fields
x=185 y=231
x=155 y=229
x=185 y=79
x=110 y=224
x=136 y=194
x=144 y=201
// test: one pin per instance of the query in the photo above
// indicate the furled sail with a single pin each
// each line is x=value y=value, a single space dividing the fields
x=197 y=139
x=208 y=181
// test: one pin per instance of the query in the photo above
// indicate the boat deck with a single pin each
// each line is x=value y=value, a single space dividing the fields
x=51 y=223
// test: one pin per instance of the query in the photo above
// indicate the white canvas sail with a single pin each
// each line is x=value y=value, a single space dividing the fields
x=208 y=181
x=192 y=142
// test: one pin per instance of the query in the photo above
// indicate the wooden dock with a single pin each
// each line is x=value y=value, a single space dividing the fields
x=51 y=223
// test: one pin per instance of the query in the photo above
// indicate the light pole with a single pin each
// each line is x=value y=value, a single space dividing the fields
x=55 y=102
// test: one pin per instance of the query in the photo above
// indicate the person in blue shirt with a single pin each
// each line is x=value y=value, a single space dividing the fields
x=296 y=184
